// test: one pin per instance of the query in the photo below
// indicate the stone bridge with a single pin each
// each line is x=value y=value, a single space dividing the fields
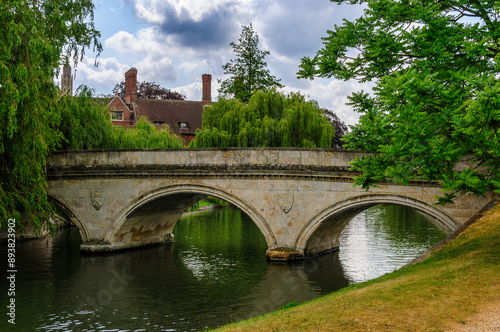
x=300 y=199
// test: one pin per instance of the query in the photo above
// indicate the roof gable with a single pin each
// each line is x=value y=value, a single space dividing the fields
x=118 y=104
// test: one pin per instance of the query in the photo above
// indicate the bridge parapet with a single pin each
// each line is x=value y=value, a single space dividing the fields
x=230 y=157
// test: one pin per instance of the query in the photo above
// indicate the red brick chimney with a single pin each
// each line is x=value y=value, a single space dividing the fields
x=207 y=89
x=131 y=86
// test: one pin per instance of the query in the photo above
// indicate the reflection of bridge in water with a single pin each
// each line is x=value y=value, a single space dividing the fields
x=300 y=199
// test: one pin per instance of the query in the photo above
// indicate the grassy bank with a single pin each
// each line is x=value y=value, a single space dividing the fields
x=445 y=289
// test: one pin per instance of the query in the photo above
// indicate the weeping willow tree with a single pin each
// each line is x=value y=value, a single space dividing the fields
x=34 y=35
x=145 y=135
x=84 y=124
x=79 y=123
x=269 y=119
x=37 y=36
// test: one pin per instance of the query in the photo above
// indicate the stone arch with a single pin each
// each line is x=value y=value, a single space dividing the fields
x=169 y=203
x=72 y=215
x=322 y=233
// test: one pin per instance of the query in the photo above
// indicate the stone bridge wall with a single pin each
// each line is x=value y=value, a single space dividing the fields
x=301 y=199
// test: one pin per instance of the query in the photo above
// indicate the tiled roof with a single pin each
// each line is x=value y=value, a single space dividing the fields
x=172 y=112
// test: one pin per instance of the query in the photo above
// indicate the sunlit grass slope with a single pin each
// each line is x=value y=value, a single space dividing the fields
x=453 y=283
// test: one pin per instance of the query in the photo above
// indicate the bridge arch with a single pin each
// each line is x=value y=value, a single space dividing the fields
x=322 y=233
x=151 y=217
x=72 y=215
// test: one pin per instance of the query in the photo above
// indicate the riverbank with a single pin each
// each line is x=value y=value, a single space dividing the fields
x=456 y=287
x=207 y=208
x=208 y=203
x=29 y=232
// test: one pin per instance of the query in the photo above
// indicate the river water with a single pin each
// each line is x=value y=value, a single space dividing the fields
x=215 y=273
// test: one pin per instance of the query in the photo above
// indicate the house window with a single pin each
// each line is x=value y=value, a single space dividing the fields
x=183 y=125
x=118 y=116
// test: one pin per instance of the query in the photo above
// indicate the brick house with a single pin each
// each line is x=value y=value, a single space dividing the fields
x=182 y=116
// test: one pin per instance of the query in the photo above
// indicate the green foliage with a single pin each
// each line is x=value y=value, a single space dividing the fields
x=248 y=71
x=37 y=37
x=148 y=90
x=209 y=201
x=340 y=128
x=145 y=135
x=34 y=35
x=269 y=119
x=289 y=305
x=85 y=124
x=436 y=100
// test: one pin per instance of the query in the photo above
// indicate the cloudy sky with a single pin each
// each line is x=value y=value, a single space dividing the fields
x=174 y=42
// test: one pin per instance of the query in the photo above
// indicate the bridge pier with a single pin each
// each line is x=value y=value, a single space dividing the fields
x=99 y=247
x=284 y=254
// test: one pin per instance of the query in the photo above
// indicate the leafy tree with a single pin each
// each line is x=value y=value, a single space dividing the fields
x=35 y=118
x=248 y=71
x=149 y=90
x=436 y=102
x=340 y=128
x=34 y=35
x=269 y=119
x=85 y=123
x=145 y=135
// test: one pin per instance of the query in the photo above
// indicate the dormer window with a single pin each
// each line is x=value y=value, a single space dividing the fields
x=183 y=125
x=117 y=115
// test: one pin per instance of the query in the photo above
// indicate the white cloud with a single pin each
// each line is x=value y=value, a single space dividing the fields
x=156 y=68
x=199 y=8
x=190 y=66
x=152 y=51
x=193 y=91
x=101 y=78
x=159 y=60
x=150 y=10
x=147 y=41
x=158 y=11
x=120 y=40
